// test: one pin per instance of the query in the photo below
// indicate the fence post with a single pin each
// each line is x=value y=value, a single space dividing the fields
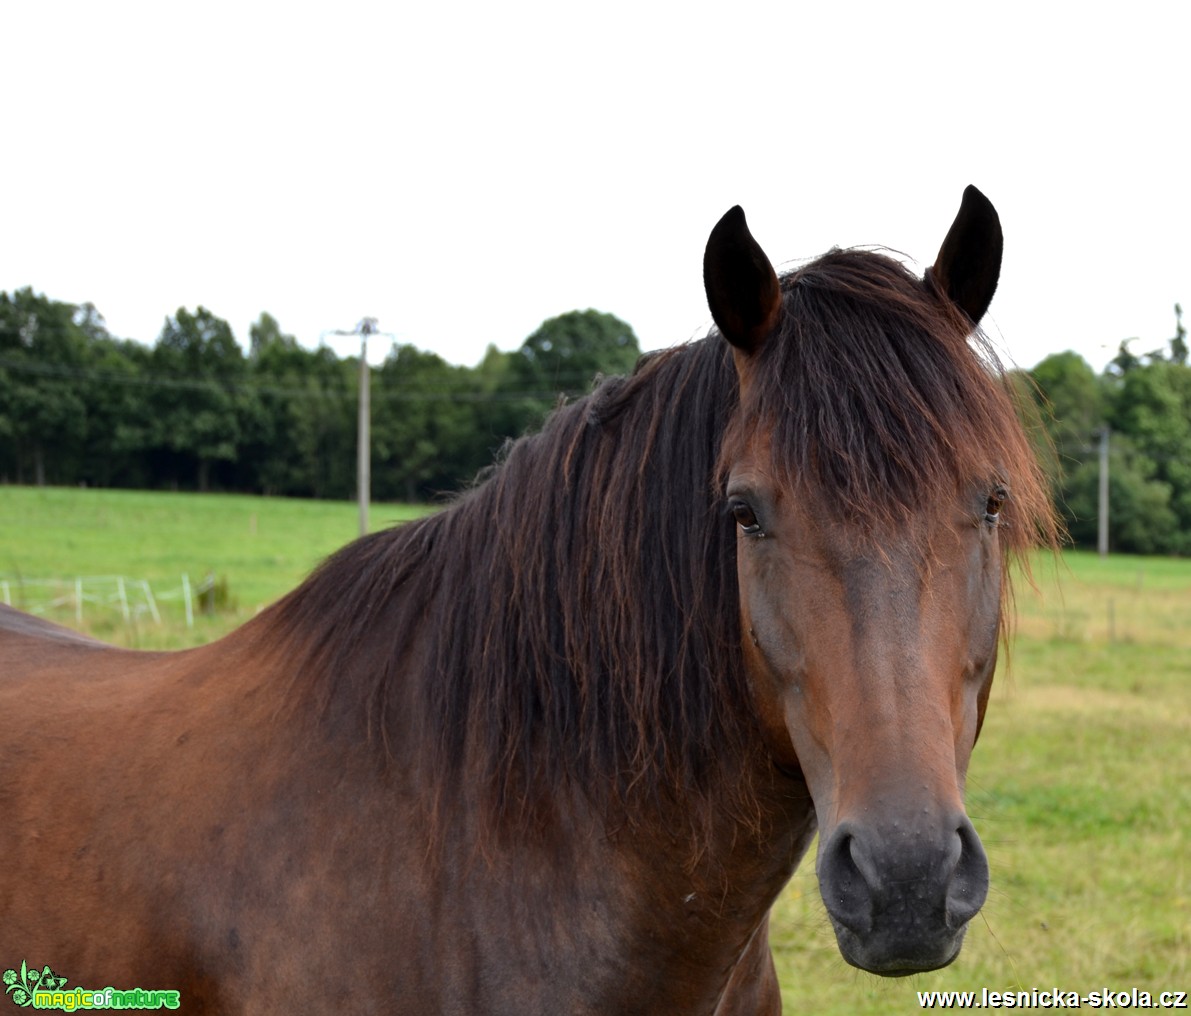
x=186 y=600
x=149 y=600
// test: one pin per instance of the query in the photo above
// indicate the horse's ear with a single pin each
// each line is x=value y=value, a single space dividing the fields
x=969 y=262
x=742 y=287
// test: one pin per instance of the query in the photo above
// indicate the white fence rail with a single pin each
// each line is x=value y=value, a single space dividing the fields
x=133 y=599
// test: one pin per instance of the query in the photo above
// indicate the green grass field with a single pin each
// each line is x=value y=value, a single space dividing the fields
x=261 y=548
x=1080 y=786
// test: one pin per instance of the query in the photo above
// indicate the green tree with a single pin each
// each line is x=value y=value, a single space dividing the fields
x=424 y=427
x=1074 y=399
x=1146 y=403
x=269 y=459
x=43 y=406
x=568 y=351
x=1152 y=409
x=120 y=423
x=562 y=359
x=305 y=444
x=199 y=394
x=500 y=412
x=1141 y=519
x=1072 y=404
x=1178 y=345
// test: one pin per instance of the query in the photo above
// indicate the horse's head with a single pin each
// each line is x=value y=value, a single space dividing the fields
x=873 y=470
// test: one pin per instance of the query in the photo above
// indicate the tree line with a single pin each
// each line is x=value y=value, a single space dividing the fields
x=1144 y=402
x=195 y=411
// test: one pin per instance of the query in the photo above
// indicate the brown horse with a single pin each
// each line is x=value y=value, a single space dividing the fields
x=557 y=748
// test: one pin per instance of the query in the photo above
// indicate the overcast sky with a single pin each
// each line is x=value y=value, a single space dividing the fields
x=462 y=171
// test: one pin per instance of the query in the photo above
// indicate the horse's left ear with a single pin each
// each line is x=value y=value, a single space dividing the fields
x=969 y=262
x=742 y=287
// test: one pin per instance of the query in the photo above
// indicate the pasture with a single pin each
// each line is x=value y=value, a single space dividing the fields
x=261 y=548
x=1079 y=786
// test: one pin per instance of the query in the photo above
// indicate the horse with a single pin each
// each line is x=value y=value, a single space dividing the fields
x=558 y=747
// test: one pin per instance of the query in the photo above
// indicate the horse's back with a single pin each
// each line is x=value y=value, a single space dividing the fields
x=33 y=651
x=18 y=624
x=106 y=763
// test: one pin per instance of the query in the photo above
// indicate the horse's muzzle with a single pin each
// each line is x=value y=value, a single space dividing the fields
x=900 y=896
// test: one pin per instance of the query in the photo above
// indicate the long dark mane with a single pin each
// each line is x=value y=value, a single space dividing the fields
x=574 y=620
x=576 y=612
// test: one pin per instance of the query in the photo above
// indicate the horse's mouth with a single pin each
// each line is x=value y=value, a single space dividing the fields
x=890 y=955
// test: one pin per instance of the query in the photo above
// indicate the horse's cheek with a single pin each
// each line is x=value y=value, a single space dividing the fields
x=775 y=663
x=770 y=696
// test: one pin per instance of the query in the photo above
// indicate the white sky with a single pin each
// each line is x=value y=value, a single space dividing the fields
x=462 y=171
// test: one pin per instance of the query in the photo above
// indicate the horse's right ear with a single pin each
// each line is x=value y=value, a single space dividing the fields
x=742 y=287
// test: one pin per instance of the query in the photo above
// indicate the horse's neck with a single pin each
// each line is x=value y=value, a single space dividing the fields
x=624 y=901
x=589 y=902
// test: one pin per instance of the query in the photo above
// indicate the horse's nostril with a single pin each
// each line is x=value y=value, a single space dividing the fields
x=842 y=882
x=969 y=880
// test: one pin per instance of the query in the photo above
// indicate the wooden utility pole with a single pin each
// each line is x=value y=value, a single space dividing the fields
x=363 y=441
x=366 y=327
x=1102 y=541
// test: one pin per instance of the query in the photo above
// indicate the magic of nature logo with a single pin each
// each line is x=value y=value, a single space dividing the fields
x=43 y=989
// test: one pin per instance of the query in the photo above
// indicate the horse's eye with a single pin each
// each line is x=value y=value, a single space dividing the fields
x=745 y=518
x=992 y=508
